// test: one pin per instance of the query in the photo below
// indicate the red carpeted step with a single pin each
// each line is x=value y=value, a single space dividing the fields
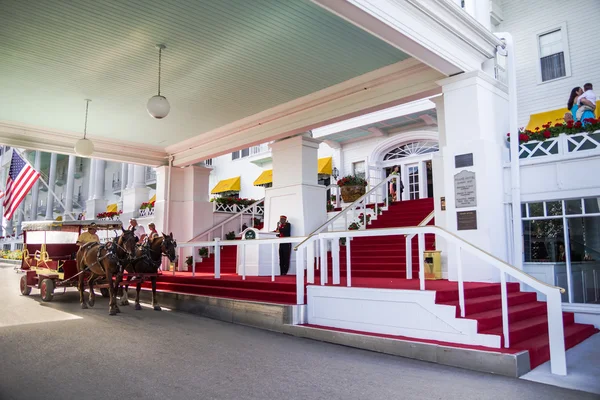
x=493 y=318
x=531 y=327
x=272 y=296
x=539 y=346
x=479 y=304
x=472 y=291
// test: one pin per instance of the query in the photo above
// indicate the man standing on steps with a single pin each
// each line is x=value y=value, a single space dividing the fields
x=285 y=249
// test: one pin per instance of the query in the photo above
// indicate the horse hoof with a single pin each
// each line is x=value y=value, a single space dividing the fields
x=117 y=310
x=112 y=312
x=138 y=307
x=91 y=303
x=157 y=308
x=124 y=303
x=84 y=306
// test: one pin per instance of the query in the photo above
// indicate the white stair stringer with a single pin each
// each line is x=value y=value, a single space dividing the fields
x=410 y=313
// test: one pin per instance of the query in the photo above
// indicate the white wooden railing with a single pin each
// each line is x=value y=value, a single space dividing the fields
x=214 y=246
x=561 y=146
x=305 y=259
x=237 y=208
x=253 y=210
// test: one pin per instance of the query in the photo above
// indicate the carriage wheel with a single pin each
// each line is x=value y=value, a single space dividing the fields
x=25 y=290
x=47 y=289
x=105 y=292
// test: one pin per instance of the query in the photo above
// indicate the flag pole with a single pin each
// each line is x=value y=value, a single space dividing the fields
x=71 y=213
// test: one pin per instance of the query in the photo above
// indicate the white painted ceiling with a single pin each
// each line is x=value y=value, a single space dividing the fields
x=225 y=60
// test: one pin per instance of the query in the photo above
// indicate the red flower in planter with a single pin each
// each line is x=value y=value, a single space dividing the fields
x=570 y=124
x=578 y=124
x=523 y=137
x=547 y=134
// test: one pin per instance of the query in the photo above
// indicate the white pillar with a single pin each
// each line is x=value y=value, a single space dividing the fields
x=139 y=176
x=130 y=169
x=123 y=178
x=51 y=179
x=2 y=186
x=295 y=192
x=482 y=102
x=35 y=190
x=20 y=213
x=96 y=202
x=91 y=177
x=136 y=193
x=70 y=184
x=99 y=179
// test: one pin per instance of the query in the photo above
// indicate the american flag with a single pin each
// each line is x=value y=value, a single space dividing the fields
x=21 y=178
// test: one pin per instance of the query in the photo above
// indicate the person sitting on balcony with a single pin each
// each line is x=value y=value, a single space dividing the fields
x=89 y=236
x=576 y=100
x=587 y=104
x=139 y=232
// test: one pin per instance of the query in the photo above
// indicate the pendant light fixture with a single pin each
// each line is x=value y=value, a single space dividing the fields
x=84 y=147
x=158 y=106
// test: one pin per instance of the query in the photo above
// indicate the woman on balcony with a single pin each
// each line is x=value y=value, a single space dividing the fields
x=575 y=102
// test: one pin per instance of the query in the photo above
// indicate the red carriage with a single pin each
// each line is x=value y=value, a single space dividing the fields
x=49 y=251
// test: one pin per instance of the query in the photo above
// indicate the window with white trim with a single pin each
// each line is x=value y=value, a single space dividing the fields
x=240 y=154
x=358 y=169
x=553 y=54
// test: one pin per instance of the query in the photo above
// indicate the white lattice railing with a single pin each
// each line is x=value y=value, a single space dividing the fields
x=561 y=145
x=146 y=212
x=254 y=209
x=236 y=208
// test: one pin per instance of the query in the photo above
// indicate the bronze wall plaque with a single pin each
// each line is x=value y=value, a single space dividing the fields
x=466 y=220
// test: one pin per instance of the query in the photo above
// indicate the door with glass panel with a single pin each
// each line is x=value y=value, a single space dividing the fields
x=412 y=174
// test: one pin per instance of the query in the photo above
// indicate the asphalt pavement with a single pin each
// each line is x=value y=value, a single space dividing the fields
x=57 y=350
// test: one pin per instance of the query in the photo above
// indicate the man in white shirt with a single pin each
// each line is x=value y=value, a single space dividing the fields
x=139 y=232
x=586 y=102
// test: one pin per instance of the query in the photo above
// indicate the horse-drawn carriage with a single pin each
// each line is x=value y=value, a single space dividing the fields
x=49 y=254
x=52 y=259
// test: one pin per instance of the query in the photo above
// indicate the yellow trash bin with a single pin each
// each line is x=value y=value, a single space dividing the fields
x=433 y=264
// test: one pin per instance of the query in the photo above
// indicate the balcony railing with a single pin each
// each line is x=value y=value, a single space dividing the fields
x=116 y=185
x=260 y=149
x=563 y=145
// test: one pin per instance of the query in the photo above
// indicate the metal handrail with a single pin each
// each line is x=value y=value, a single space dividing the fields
x=352 y=207
x=221 y=224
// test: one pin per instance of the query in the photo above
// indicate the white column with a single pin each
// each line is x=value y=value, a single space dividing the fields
x=20 y=213
x=124 y=176
x=99 y=180
x=295 y=192
x=91 y=177
x=139 y=176
x=130 y=169
x=70 y=184
x=35 y=190
x=483 y=102
x=51 y=179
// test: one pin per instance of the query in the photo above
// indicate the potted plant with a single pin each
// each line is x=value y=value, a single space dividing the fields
x=352 y=188
x=189 y=261
x=203 y=252
x=230 y=235
x=330 y=207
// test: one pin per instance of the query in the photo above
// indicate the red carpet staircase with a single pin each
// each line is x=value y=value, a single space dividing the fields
x=384 y=257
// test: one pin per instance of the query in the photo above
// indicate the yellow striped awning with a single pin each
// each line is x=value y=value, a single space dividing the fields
x=227 y=185
x=325 y=166
x=552 y=116
x=112 y=208
x=265 y=178
x=153 y=198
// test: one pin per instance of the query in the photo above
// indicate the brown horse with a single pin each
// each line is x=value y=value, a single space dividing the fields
x=104 y=261
x=147 y=259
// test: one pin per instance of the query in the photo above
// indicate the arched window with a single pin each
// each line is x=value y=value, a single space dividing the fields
x=412 y=149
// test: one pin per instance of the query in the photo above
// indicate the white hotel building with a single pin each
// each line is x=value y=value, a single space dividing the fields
x=433 y=99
